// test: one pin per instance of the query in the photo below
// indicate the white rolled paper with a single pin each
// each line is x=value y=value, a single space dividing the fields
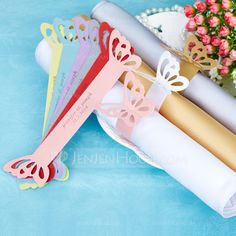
x=181 y=157
x=202 y=91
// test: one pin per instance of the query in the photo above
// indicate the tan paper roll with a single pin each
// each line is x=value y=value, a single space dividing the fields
x=196 y=123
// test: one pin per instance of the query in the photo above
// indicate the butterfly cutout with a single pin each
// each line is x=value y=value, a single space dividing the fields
x=167 y=74
x=135 y=106
x=195 y=53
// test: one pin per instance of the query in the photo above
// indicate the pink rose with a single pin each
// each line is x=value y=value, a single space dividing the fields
x=201 y=6
x=224 y=48
x=210 y=49
x=224 y=70
x=215 y=8
x=232 y=55
x=224 y=44
x=191 y=25
x=206 y=39
x=226 y=4
x=227 y=16
x=215 y=41
x=210 y=2
x=226 y=62
x=224 y=31
x=232 y=21
x=199 y=19
x=201 y=30
x=223 y=53
x=213 y=21
x=189 y=11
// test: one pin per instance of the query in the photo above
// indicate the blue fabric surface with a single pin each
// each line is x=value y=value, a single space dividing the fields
x=110 y=190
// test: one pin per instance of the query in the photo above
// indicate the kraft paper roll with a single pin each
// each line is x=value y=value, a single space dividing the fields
x=195 y=123
x=202 y=91
x=181 y=157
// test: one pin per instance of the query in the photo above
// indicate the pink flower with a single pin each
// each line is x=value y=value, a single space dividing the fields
x=224 y=44
x=224 y=70
x=226 y=4
x=214 y=21
x=199 y=19
x=214 y=8
x=201 y=30
x=224 y=48
x=223 y=53
x=201 y=6
x=189 y=11
x=210 y=49
x=206 y=39
x=227 y=16
x=210 y=2
x=232 y=21
x=215 y=41
x=191 y=25
x=224 y=31
x=232 y=55
x=226 y=62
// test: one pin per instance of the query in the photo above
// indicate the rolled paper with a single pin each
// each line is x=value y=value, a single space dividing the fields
x=194 y=122
x=181 y=157
x=202 y=91
x=120 y=59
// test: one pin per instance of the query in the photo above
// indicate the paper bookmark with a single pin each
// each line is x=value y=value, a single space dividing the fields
x=36 y=166
x=66 y=35
x=50 y=36
x=87 y=55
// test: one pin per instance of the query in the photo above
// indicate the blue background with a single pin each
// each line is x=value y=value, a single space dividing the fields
x=110 y=190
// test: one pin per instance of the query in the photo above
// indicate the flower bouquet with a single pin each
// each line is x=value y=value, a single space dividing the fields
x=214 y=23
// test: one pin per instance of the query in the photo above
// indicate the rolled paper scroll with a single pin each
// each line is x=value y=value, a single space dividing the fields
x=120 y=59
x=194 y=122
x=181 y=157
x=202 y=91
x=183 y=113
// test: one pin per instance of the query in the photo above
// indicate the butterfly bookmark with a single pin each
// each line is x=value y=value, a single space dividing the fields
x=66 y=35
x=50 y=36
x=85 y=58
x=73 y=37
x=36 y=166
x=104 y=37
